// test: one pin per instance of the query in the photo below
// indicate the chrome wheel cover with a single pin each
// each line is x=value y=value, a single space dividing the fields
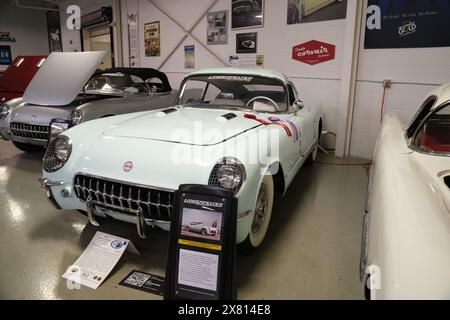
x=261 y=209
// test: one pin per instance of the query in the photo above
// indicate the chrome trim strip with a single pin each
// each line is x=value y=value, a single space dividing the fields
x=364 y=247
x=126 y=182
x=149 y=220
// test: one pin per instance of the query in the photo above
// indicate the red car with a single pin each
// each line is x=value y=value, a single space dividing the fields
x=16 y=78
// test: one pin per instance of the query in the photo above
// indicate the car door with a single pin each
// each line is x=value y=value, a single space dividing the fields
x=304 y=121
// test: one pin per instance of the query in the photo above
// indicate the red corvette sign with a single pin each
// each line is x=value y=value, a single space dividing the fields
x=313 y=52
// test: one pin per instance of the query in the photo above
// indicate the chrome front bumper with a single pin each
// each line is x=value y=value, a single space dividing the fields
x=141 y=221
x=47 y=184
x=36 y=142
x=94 y=208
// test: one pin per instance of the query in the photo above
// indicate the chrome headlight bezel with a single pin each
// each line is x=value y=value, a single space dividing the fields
x=57 y=154
x=229 y=174
x=4 y=111
x=76 y=116
x=57 y=127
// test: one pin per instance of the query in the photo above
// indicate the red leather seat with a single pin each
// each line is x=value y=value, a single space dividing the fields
x=435 y=138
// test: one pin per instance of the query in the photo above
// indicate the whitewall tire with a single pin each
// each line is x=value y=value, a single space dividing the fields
x=262 y=215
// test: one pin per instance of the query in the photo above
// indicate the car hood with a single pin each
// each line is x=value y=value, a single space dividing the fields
x=39 y=115
x=193 y=126
x=61 y=77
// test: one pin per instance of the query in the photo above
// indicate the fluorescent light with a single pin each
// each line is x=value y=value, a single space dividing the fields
x=18 y=63
x=40 y=62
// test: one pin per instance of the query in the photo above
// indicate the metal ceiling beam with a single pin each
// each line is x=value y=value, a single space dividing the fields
x=188 y=33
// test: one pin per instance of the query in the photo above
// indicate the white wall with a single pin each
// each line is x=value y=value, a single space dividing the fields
x=414 y=73
x=319 y=85
x=28 y=26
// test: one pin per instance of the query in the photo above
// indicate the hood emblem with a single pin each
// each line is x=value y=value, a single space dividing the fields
x=34 y=116
x=128 y=166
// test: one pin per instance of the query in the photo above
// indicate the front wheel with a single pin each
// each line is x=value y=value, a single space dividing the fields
x=261 y=218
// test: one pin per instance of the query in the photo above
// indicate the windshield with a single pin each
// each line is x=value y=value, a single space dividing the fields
x=434 y=135
x=118 y=83
x=259 y=94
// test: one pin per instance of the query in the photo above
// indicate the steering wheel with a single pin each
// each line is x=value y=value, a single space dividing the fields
x=262 y=98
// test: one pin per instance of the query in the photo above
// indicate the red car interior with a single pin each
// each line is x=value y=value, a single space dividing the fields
x=435 y=136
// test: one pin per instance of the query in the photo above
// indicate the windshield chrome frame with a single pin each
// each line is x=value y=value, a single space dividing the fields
x=282 y=82
x=410 y=141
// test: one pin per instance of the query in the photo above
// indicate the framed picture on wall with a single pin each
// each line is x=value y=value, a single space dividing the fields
x=303 y=11
x=246 y=42
x=5 y=55
x=217 y=27
x=152 y=38
x=247 y=14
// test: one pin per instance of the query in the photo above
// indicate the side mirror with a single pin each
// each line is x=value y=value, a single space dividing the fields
x=299 y=105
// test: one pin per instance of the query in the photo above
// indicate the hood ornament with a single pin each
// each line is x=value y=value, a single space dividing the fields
x=127 y=166
x=34 y=116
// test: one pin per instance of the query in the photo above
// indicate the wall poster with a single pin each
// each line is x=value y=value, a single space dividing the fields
x=152 y=38
x=54 y=31
x=407 y=24
x=302 y=11
x=189 y=57
x=217 y=27
x=247 y=13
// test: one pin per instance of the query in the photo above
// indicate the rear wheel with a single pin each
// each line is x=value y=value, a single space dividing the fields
x=261 y=218
x=28 y=147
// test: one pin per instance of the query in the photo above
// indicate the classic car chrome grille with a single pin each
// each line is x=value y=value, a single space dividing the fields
x=124 y=197
x=29 y=131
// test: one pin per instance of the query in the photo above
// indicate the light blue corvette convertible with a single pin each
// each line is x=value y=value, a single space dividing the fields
x=242 y=130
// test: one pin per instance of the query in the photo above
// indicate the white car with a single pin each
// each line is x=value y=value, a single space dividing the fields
x=242 y=130
x=406 y=233
x=200 y=227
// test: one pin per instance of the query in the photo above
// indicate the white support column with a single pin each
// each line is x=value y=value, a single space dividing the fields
x=349 y=72
x=117 y=31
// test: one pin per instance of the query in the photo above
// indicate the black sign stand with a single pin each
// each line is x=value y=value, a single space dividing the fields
x=202 y=245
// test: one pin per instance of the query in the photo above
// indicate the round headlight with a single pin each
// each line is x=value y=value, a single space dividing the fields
x=62 y=149
x=76 y=117
x=57 y=154
x=4 y=111
x=228 y=174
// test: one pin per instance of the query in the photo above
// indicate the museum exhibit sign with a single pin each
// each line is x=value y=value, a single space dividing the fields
x=202 y=245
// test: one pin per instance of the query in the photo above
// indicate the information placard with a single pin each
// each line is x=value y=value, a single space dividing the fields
x=202 y=245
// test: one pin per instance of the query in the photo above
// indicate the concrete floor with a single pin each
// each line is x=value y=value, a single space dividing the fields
x=311 y=251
